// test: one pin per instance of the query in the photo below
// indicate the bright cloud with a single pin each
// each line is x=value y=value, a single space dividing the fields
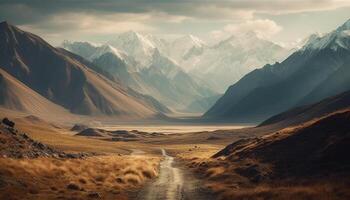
x=264 y=28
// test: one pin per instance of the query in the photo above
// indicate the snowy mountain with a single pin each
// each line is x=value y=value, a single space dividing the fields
x=177 y=89
x=153 y=65
x=144 y=63
x=108 y=49
x=91 y=52
x=161 y=44
x=229 y=60
x=183 y=46
x=84 y=49
x=164 y=65
x=142 y=47
x=163 y=80
x=338 y=38
x=136 y=45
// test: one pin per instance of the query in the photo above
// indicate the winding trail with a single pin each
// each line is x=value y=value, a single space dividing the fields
x=173 y=183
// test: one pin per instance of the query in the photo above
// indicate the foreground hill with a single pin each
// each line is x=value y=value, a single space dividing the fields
x=30 y=168
x=63 y=79
x=304 y=162
x=20 y=145
x=319 y=70
x=322 y=147
x=306 y=113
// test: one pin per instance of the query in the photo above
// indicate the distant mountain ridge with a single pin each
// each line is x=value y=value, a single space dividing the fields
x=162 y=79
x=229 y=60
x=211 y=67
x=319 y=70
x=136 y=45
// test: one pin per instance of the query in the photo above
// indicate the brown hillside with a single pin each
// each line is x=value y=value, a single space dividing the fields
x=63 y=79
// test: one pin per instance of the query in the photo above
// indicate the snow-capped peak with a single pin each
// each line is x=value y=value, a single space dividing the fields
x=84 y=49
x=182 y=45
x=344 y=27
x=244 y=42
x=198 y=42
x=189 y=40
x=312 y=39
x=92 y=51
x=250 y=35
x=241 y=37
x=108 y=49
x=163 y=64
x=135 y=45
x=132 y=36
x=335 y=39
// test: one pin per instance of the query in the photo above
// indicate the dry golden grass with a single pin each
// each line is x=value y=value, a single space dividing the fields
x=289 y=191
x=45 y=178
x=220 y=178
x=194 y=151
x=65 y=140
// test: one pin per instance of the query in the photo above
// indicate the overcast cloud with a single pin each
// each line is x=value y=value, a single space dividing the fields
x=57 y=20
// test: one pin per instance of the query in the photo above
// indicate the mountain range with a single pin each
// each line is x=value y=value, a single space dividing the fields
x=226 y=62
x=35 y=73
x=318 y=70
x=191 y=72
x=143 y=75
x=161 y=78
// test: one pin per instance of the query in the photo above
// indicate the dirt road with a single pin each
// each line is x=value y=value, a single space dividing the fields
x=173 y=183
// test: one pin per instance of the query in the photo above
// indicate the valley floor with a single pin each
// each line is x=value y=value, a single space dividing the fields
x=144 y=165
x=115 y=169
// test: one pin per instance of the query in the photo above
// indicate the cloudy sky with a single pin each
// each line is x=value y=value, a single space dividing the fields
x=283 y=21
